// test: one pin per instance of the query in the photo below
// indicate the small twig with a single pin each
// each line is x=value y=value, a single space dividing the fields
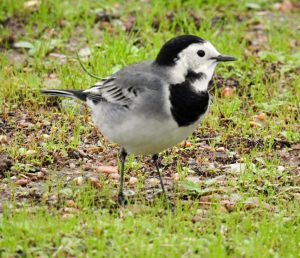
x=84 y=69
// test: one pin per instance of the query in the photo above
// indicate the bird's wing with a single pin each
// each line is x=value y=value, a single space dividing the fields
x=124 y=88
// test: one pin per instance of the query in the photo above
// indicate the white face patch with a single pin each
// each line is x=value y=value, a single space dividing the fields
x=190 y=60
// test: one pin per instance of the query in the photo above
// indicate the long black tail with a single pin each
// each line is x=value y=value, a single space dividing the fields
x=77 y=94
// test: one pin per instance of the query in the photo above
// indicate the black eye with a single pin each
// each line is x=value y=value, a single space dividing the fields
x=201 y=53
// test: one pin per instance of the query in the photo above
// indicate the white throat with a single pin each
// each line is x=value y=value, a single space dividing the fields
x=178 y=73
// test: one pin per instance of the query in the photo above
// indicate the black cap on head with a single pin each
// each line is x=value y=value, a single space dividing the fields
x=173 y=47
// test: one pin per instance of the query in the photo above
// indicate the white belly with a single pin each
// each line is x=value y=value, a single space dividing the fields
x=148 y=136
x=138 y=134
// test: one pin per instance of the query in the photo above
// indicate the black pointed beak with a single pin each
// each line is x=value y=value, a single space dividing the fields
x=221 y=58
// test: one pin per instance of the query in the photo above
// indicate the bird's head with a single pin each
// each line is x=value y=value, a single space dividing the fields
x=190 y=53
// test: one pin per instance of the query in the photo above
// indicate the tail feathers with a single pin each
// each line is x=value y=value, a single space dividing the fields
x=77 y=94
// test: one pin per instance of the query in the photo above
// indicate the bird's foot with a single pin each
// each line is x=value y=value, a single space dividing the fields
x=121 y=199
x=170 y=204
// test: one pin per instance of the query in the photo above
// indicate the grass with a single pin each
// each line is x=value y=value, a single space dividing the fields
x=220 y=212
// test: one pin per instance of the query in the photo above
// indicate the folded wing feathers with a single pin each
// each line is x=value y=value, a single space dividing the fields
x=105 y=90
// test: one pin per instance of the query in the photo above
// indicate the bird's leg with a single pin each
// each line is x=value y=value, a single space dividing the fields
x=122 y=157
x=155 y=160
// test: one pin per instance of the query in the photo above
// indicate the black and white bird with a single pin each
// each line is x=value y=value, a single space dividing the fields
x=150 y=106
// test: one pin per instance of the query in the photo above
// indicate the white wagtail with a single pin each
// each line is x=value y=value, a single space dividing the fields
x=150 y=106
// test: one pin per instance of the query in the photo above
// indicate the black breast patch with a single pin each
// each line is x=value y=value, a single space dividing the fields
x=187 y=105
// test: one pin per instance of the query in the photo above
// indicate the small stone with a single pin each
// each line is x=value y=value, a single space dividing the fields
x=107 y=169
x=193 y=179
x=95 y=182
x=280 y=168
x=71 y=204
x=185 y=144
x=204 y=199
x=72 y=165
x=5 y=164
x=133 y=180
x=115 y=176
x=297 y=197
x=30 y=152
x=70 y=210
x=227 y=92
x=153 y=182
x=78 y=180
x=251 y=203
x=44 y=170
x=176 y=177
x=220 y=149
x=84 y=52
x=67 y=216
x=32 y=4
x=261 y=117
x=201 y=212
x=39 y=175
x=196 y=218
x=3 y=139
x=207 y=147
x=229 y=205
x=254 y=124
x=222 y=209
x=22 y=182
